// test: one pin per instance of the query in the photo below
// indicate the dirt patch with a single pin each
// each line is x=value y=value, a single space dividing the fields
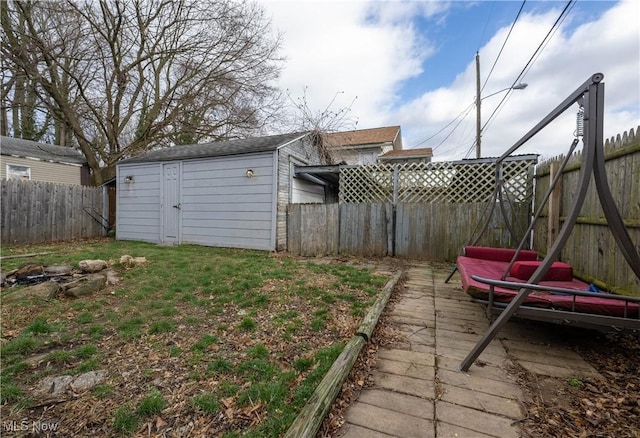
x=589 y=407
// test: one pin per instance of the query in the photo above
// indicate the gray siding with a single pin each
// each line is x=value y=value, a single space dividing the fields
x=44 y=171
x=300 y=152
x=138 y=203
x=221 y=206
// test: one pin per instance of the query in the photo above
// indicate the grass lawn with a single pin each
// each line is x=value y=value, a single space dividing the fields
x=198 y=341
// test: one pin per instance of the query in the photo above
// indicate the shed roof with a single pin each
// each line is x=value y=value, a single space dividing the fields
x=407 y=154
x=18 y=147
x=373 y=136
x=218 y=148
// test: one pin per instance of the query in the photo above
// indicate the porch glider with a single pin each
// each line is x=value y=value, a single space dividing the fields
x=558 y=297
x=532 y=296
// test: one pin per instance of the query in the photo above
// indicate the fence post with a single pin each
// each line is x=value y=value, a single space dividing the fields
x=554 y=206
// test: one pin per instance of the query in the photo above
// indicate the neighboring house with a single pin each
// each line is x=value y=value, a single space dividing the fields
x=228 y=194
x=33 y=161
x=418 y=155
x=363 y=146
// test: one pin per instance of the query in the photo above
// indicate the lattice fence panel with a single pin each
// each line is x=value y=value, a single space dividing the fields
x=366 y=184
x=435 y=182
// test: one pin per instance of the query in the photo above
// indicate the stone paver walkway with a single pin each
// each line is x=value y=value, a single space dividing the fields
x=418 y=389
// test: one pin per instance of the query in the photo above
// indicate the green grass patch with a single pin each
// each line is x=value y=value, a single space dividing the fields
x=219 y=366
x=10 y=393
x=84 y=318
x=162 y=327
x=258 y=351
x=248 y=324
x=60 y=357
x=226 y=319
x=23 y=344
x=131 y=328
x=40 y=326
x=152 y=404
x=86 y=351
x=103 y=391
x=86 y=366
x=204 y=342
x=207 y=402
x=125 y=420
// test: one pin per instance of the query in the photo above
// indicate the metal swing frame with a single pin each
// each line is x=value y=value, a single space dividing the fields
x=591 y=95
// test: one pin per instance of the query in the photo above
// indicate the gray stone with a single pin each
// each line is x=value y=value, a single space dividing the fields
x=55 y=386
x=45 y=290
x=58 y=269
x=88 y=380
x=92 y=265
x=85 y=285
x=112 y=276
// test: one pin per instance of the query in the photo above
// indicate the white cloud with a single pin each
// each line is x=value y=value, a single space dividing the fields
x=610 y=45
x=347 y=47
x=369 y=49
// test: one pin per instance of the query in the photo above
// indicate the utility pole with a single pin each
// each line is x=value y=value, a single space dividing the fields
x=478 y=100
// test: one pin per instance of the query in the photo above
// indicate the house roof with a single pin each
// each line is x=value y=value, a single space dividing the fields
x=218 y=148
x=361 y=137
x=407 y=154
x=18 y=147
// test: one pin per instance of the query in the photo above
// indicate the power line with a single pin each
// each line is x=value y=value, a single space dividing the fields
x=466 y=110
x=454 y=128
x=504 y=43
x=533 y=58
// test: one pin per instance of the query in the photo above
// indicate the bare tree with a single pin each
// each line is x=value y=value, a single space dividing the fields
x=321 y=122
x=122 y=76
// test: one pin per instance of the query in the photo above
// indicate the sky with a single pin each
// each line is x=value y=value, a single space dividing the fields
x=413 y=64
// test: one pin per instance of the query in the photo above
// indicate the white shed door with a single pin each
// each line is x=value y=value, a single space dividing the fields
x=171 y=203
x=305 y=192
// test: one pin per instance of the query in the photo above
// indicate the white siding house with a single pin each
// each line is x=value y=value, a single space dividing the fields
x=33 y=161
x=228 y=194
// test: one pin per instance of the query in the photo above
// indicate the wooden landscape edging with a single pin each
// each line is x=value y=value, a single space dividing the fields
x=310 y=418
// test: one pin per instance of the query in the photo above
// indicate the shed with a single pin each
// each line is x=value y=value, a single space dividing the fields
x=33 y=161
x=228 y=194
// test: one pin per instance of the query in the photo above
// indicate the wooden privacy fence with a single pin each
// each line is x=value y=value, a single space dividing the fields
x=591 y=248
x=430 y=231
x=417 y=210
x=36 y=212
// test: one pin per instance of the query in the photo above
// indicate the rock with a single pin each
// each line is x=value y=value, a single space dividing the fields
x=45 y=290
x=55 y=386
x=58 y=269
x=85 y=285
x=126 y=260
x=139 y=260
x=29 y=271
x=86 y=381
x=92 y=265
x=112 y=277
x=129 y=261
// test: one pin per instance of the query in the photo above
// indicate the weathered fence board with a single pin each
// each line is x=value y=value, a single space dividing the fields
x=591 y=248
x=314 y=233
x=432 y=231
x=364 y=229
x=35 y=212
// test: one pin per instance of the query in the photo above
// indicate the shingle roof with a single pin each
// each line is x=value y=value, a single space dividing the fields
x=18 y=147
x=360 y=137
x=218 y=148
x=408 y=153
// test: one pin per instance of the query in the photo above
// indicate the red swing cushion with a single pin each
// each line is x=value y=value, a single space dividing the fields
x=558 y=271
